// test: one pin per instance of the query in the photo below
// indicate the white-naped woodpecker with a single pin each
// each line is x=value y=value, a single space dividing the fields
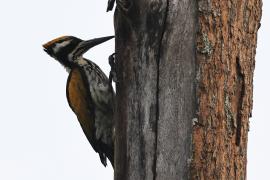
x=89 y=91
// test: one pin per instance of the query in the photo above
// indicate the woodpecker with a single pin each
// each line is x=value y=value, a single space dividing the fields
x=89 y=93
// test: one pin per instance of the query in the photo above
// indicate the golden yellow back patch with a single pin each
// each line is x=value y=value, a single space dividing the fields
x=78 y=100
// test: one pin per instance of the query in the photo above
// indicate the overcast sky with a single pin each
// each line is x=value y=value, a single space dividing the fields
x=40 y=136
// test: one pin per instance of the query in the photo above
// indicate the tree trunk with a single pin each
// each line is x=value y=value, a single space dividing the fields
x=184 y=88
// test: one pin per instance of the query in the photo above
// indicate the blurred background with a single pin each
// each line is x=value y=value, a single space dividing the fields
x=40 y=137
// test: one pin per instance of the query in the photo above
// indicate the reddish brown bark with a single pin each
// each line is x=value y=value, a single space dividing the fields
x=226 y=46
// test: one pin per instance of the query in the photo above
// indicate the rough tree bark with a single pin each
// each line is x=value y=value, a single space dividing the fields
x=184 y=88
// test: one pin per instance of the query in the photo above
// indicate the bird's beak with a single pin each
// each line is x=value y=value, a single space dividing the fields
x=46 y=49
x=86 y=45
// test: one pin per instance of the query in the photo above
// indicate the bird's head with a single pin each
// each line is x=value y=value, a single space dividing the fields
x=67 y=49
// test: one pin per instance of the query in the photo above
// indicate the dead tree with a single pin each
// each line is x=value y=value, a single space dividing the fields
x=184 y=88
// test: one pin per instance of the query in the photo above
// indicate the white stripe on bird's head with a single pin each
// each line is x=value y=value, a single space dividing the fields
x=60 y=45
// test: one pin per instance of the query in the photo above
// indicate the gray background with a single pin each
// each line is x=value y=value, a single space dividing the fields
x=40 y=138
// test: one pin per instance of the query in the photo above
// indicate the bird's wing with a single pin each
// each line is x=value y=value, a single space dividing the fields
x=103 y=96
x=100 y=88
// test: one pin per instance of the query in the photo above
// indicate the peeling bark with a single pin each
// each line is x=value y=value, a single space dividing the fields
x=184 y=88
x=225 y=87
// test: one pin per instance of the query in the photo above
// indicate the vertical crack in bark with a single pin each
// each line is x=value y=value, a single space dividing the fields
x=157 y=92
x=241 y=98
